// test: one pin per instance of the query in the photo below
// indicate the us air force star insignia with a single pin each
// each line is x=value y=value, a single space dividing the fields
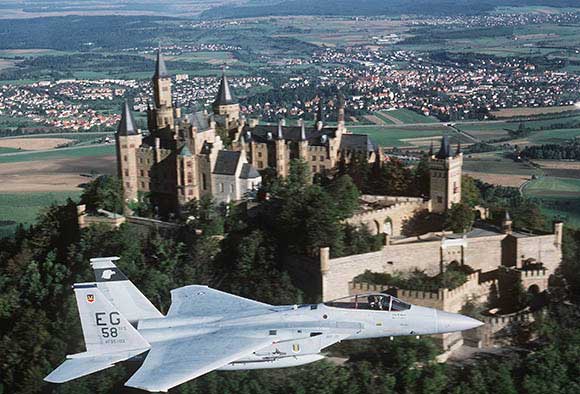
x=90 y=298
x=107 y=274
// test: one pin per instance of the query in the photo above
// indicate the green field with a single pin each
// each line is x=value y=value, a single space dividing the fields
x=24 y=207
x=553 y=136
x=393 y=137
x=81 y=137
x=382 y=117
x=8 y=150
x=405 y=116
x=558 y=197
x=486 y=131
x=100 y=150
x=496 y=163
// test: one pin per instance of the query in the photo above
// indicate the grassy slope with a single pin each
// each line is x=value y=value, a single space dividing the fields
x=8 y=150
x=392 y=137
x=103 y=150
x=558 y=197
x=407 y=116
x=24 y=207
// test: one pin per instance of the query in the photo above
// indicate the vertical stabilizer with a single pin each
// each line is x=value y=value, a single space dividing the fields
x=109 y=337
x=121 y=292
x=105 y=328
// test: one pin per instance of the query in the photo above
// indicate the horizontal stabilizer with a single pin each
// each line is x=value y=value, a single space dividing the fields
x=121 y=292
x=77 y=367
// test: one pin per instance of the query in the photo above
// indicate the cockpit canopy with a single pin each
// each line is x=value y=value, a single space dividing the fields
x=370 y=301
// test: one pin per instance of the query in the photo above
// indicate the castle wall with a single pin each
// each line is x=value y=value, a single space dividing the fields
x=404 y=257
x=481 y=253
x=450 y=300
x=390 y=219
x=542 y=248
x=484 y=253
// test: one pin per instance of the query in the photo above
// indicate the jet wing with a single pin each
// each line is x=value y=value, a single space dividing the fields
x=171 y=363
x=81 y=365
x=199 y=300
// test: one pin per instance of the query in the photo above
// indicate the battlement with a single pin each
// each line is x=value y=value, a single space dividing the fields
x=504 y=320
x=387 y=209
x=538 y=273
x=371 y=198
x=444 y=298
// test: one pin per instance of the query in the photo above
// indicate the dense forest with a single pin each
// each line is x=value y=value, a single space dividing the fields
x=244 y=251
x=553 y=151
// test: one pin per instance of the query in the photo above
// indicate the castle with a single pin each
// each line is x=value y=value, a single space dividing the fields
x=181 y=157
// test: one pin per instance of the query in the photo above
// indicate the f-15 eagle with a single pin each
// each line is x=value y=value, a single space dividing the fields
x=206 y=329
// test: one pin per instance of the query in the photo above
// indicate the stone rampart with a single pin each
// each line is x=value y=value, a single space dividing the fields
x=450 y=300
x=390 y=218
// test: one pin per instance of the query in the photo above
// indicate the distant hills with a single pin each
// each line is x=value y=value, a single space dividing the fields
x=255 y=8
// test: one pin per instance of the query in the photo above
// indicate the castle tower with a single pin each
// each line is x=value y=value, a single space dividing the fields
x=128 y=140
x=341 y=115
x=506 y=223
x=319 y=116
x=187 y=188
x=303 y=143
x=225 y=104
x=445 y=172
x=163 y=106
x=281 y=151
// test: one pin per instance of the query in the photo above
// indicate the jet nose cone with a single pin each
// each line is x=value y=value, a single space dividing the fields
x=450 y=322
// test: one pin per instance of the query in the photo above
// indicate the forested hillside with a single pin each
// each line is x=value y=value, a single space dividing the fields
x=244 y=252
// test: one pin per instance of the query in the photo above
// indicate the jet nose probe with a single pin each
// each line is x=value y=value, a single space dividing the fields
x=451 y=322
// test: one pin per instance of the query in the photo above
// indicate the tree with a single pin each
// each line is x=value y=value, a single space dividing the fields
x=204 y=215
x=459 y=218
x=105 y=192
x=343 y=191
x=359 y=170
x=421 y=185
x=423 y=222
x=470 y=194
x=143 y=207
x=299 y=176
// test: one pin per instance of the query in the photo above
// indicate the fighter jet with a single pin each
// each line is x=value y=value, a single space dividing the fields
x=206 y=329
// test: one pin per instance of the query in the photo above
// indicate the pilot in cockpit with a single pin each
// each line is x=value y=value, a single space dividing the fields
x=379 y=302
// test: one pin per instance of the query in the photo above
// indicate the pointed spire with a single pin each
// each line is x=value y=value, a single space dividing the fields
x=302 y=131
x=127 y=123
x=319 y=112
x=160 y=69
x=224 y=95
x=341 y=109
x=444 y=149
x=280 y=134
x=507 y=216
x=431 y=149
